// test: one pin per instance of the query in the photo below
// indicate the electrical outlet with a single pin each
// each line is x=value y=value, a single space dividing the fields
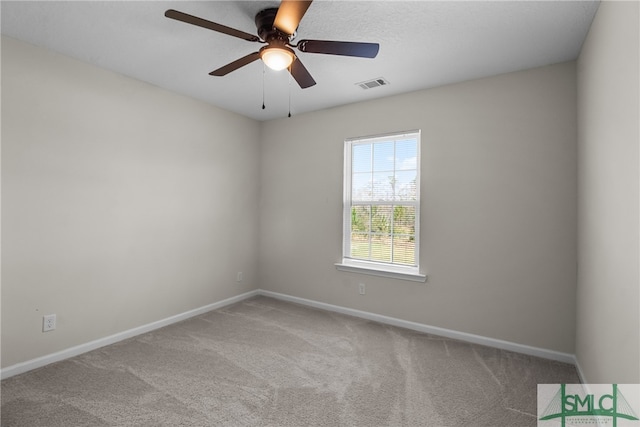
x=239 y=276
x=361 y=288
x=48 y=322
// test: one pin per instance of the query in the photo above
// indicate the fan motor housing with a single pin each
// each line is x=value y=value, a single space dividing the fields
x=264 y=23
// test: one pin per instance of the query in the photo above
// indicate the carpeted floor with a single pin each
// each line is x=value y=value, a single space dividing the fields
x=265 y=362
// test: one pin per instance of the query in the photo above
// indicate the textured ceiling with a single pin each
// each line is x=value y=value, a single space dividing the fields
x=422 y=44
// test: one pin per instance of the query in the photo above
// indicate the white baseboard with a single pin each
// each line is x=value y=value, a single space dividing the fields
x=22 y=367
x=19 y=368
x=434 y=330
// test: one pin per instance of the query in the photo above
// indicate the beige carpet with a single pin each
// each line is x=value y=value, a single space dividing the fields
x=264 y=362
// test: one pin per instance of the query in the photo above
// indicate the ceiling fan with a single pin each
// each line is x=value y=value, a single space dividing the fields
x=276 y=28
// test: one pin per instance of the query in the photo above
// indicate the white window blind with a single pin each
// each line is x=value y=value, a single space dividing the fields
x=382 y=201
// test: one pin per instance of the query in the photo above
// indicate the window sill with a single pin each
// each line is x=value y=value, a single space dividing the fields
x=374 y=269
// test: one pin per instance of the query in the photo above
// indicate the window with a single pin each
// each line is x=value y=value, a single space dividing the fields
x=382 y=205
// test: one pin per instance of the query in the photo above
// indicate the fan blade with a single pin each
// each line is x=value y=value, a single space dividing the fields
x=222 y=71
x=289 y=15
x=194 y=20
x=300 y=74
x=361 y=50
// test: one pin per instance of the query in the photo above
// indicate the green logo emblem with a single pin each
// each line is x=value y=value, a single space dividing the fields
x=588 y=406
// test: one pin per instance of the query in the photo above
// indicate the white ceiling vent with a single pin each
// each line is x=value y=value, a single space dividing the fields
x=370 y=84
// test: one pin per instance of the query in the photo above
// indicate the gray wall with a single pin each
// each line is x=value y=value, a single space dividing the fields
x=499 y=185
x=122 y=203
x=608 y=294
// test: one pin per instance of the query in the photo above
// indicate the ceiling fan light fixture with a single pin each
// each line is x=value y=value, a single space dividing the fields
x=277 y=58
x=277 y=27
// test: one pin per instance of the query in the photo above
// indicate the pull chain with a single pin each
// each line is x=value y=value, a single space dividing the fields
x=263 y=71
x=289 y=95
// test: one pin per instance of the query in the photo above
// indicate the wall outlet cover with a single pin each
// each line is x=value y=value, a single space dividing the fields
x=48 y=322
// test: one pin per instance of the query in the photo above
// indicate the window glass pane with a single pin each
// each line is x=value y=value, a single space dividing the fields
x=404 y=250
x=361 y=157
x=382 y=186
x=406 y=154
x=405 y=185
x=383 y=156
x=381 y=248
x=361 y=219
x=360 y=245
x=404 y=220
x=361 y=187
x=381 y=219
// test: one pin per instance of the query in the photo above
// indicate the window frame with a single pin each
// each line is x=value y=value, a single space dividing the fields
x=379 y=268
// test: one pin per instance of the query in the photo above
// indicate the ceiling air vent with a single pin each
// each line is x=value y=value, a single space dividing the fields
x=370 y=84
